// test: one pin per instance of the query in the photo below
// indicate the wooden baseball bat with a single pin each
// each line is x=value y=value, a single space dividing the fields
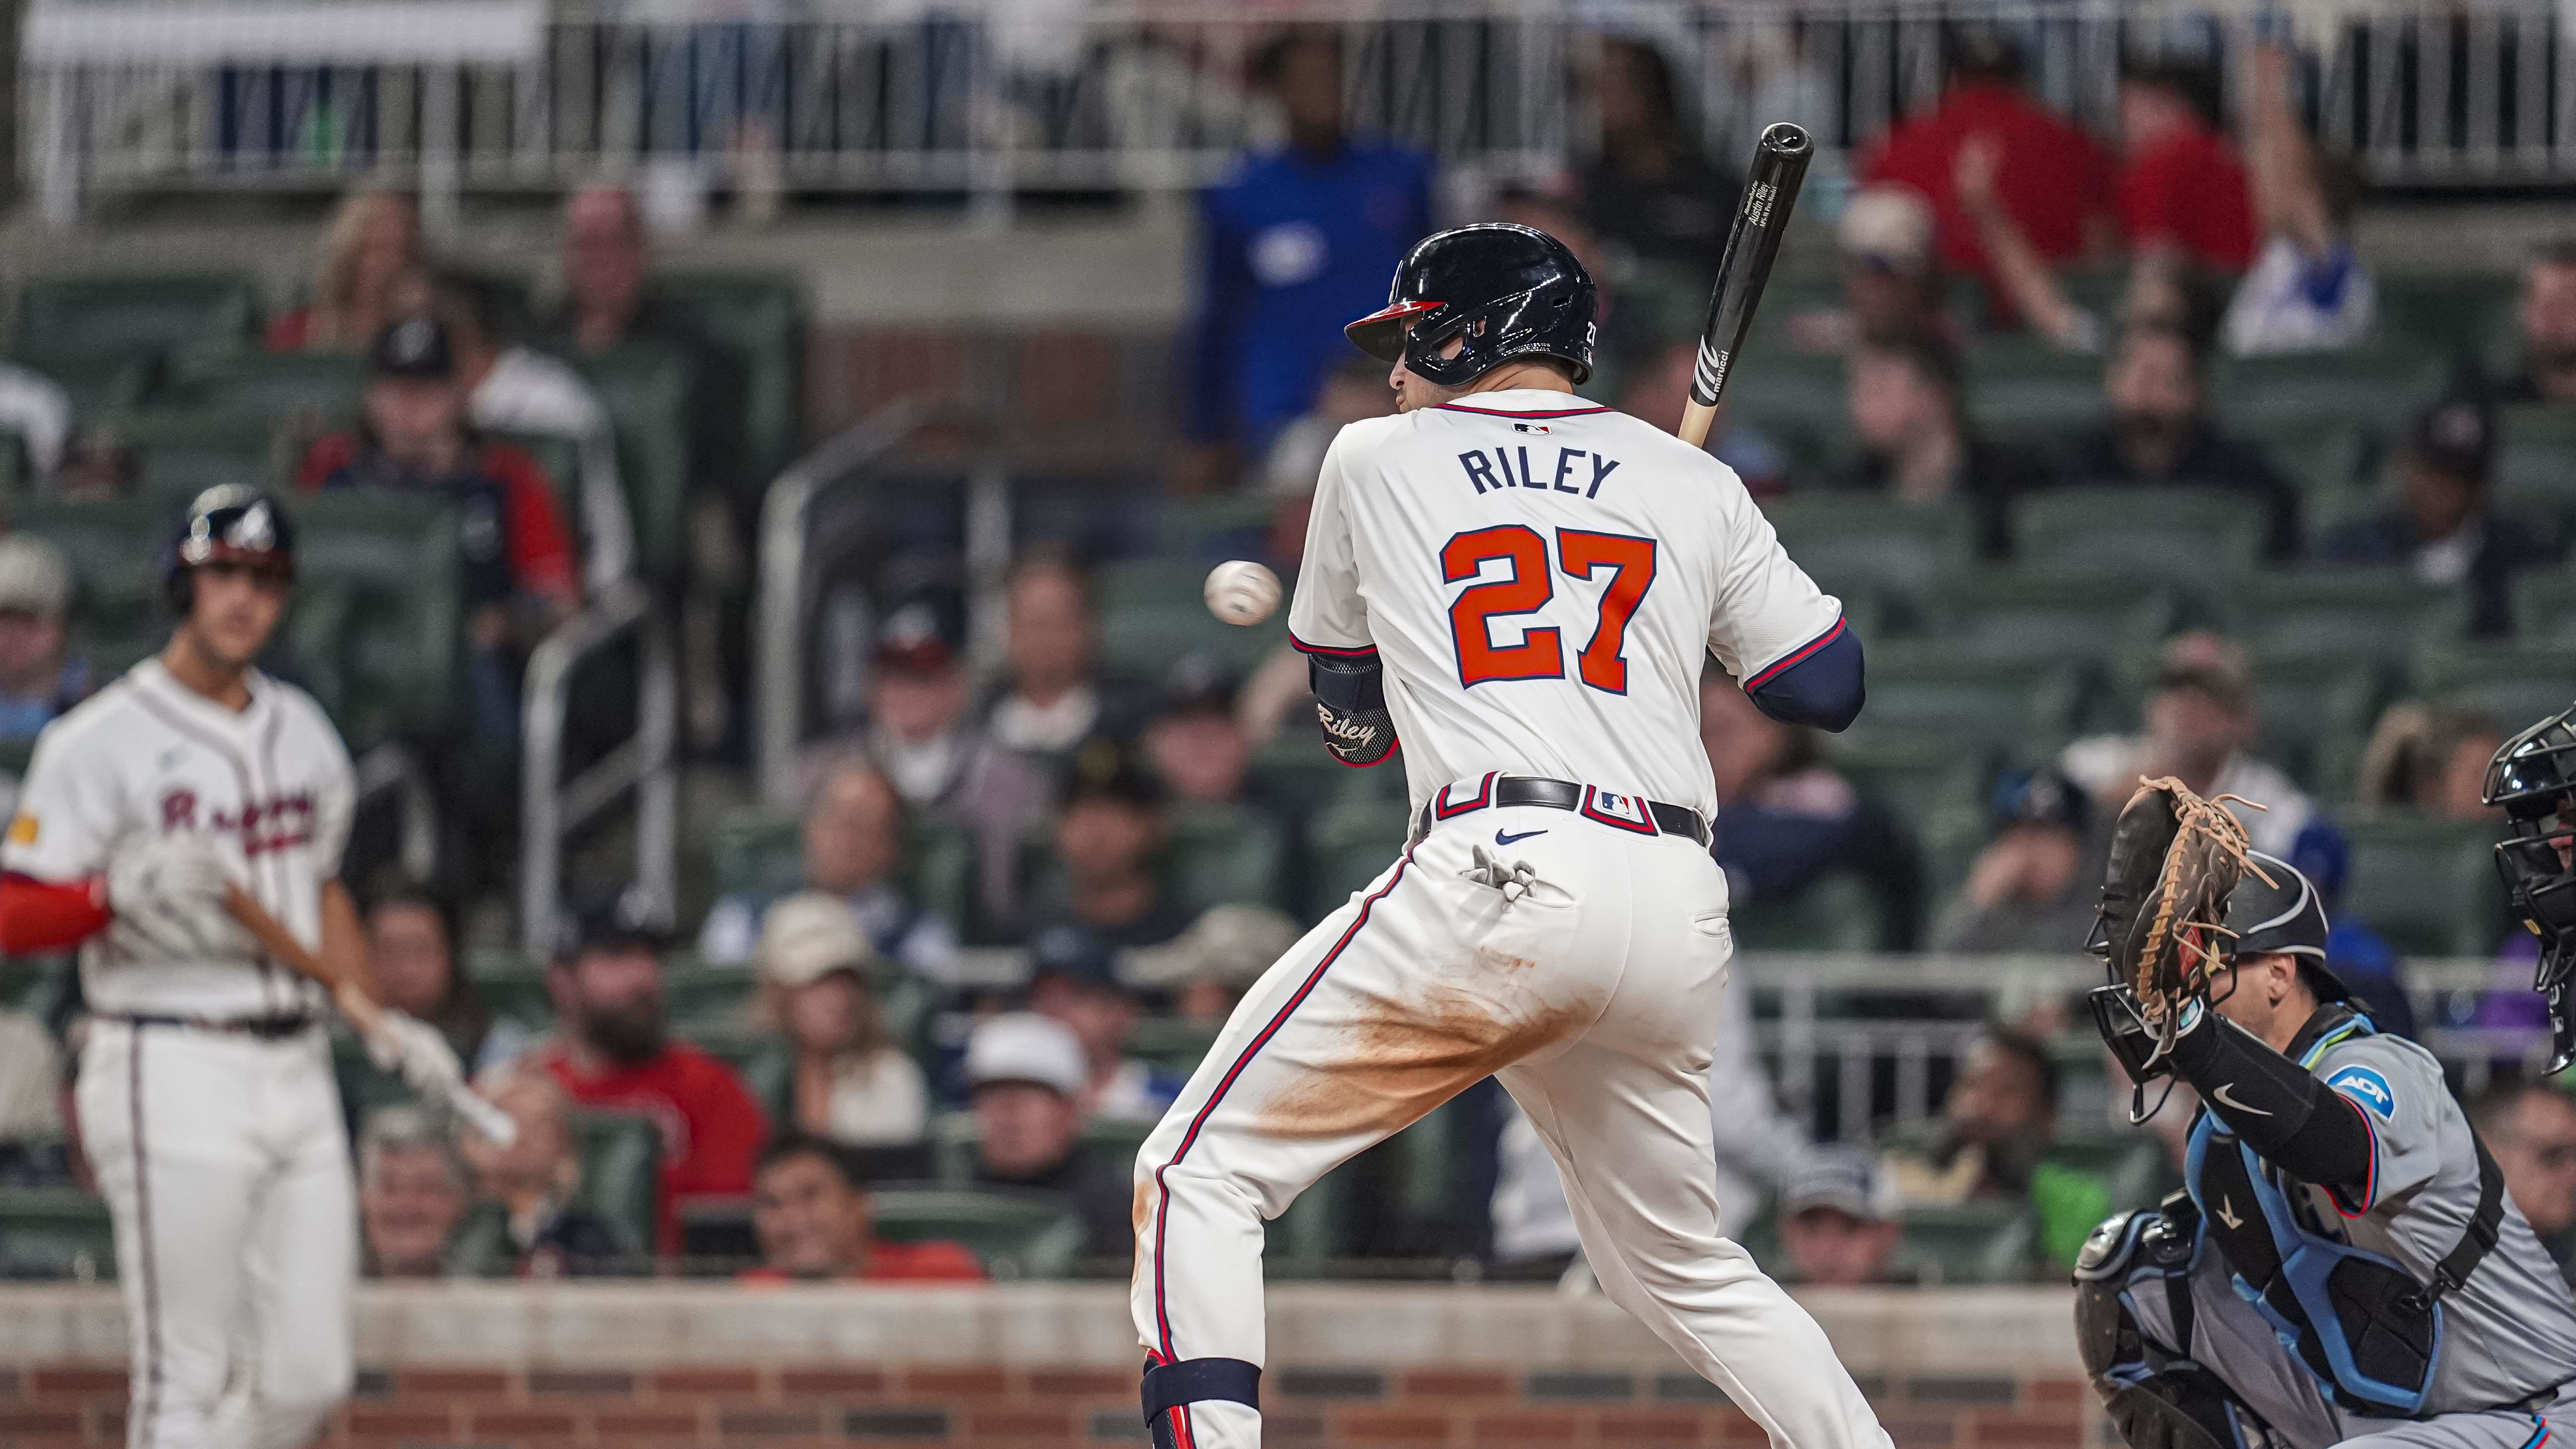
x=354 y=1003
x=1770 y=189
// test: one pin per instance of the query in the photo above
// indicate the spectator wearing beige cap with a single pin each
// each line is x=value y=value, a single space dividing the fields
x=38 y=678
x=1025 y=1075
x=835 y=1071
x=1889 y=283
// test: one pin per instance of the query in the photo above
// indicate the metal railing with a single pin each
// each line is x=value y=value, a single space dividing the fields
x=786 y=589
x=984 y=99
x=644 y=765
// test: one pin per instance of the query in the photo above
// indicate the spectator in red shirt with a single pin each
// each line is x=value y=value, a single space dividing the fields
x=2182 y=187
x=613 y=1051
x=412 y=437
x=2051 y=177
x=811 y=1214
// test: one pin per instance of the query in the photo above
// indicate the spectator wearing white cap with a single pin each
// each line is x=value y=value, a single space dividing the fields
x=835 y=1071
x=1838 y=1223
x=1890 y=285
x=1025 y=1074
x=38 y=678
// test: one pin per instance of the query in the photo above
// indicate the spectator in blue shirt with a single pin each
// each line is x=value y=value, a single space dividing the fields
x=1297 y=242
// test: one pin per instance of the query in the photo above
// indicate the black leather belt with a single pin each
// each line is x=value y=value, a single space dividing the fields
x=1623 y=812
x=266 y=1028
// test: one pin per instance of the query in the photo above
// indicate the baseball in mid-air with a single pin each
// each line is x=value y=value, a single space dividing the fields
x=1242 y=592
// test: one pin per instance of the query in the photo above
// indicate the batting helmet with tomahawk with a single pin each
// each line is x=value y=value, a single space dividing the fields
x=1507 y=291
x=230 y=524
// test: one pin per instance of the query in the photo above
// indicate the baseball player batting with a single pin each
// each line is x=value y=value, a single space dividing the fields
x=1522 y=586
x=2343 y=1265
x=206 y=1099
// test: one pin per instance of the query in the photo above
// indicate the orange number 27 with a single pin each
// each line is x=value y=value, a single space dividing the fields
x=1529 y=586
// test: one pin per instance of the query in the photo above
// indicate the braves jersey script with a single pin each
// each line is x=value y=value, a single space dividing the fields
x=1540 y=578
x=271 y=784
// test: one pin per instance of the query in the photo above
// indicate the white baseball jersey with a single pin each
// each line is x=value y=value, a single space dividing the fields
x=1540 y=577
x=271 y=784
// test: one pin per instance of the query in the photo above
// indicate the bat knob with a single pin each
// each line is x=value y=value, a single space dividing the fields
x=1787 y=138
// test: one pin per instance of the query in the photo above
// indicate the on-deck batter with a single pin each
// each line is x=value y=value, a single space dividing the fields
x=1523 y=586
x=207 y=1104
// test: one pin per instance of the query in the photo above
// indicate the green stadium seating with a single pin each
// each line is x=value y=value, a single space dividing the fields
x=756 y=852
x=2379 y=615
x=1837 y=913
x=1978 y=704
x=1349 y=844
x=114 y=549
x=1227 y=855
x=713 y=997
x=101 y=386
x=1146 y=638
x=2329 y=458
x=2536 y=463
x=55 y=1232
x=2454 y=312
x=127 y=316
x=2427 y=885
x=509 y=983
x=1968 y=1243
x=316 y=391
x=1795 y=398
x=1173 y=1042
x=2032 y=391
x=1913 y=776
x=181 y=451
x=2136 y=534
x=2544 y=607
x=1312 y=1238
x=2366 y=387
x=646 y=390
x=1017 y=1237
x=621 y=1171
x=1862 y=547
x=364 y=1087
x=401 y=558
x=2513 y=684
x=1184 y=526
x=761 y=318
x=2055 y=618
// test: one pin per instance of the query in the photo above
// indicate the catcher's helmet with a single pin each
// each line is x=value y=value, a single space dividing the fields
x=233 y=523
x=2286 y=916
x=2533 y=777
x=1508 y=291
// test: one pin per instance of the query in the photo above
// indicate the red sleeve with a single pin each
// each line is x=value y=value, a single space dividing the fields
x=541 y=553
x=726 y=1130
x=2152 y=192
x=38 y=916
x=327 y=456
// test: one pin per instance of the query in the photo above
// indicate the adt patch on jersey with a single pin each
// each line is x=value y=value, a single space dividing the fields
x=2368 y=1088
x=23 y=830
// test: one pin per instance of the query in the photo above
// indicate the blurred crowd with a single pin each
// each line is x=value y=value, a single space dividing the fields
x=1038 y=806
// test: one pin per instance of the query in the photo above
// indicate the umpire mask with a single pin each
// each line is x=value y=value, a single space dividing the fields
x=2533 y=779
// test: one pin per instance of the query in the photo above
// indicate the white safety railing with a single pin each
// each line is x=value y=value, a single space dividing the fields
x=987 y=98
x=645 y=765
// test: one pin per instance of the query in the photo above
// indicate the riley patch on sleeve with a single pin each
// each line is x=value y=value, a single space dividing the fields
x=2367 y=1087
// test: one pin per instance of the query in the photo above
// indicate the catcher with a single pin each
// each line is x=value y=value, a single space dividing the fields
x=2343 y=1261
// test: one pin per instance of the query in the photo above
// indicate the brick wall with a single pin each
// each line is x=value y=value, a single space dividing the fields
x=67 y=1405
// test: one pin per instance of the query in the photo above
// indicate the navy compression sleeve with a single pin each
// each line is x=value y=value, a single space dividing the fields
x=1823 y=689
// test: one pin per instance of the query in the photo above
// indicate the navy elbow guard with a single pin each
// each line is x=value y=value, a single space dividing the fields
x=1819 y=685
x=1350 y=702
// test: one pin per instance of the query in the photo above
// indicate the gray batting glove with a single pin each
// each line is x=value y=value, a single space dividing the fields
x=412 y=1049
x=168 y=889
x=1512 y=878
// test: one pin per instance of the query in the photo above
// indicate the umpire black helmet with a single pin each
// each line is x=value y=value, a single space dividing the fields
x=2533 y=779
x=2286 y=915
x=230 y=524
x=1508 y=291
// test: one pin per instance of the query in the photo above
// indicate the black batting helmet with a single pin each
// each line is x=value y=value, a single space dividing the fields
x=2533 y=778
x=1508 y=291
x=230 y=524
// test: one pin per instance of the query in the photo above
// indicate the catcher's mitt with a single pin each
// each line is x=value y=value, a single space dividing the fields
x=2174 y=859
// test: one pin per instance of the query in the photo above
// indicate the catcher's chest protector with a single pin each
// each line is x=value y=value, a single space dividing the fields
x=2366 y=1328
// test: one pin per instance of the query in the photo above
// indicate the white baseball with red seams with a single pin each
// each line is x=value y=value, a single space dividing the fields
x=1540 y=580
x=1240 y=591
x=221 y=1154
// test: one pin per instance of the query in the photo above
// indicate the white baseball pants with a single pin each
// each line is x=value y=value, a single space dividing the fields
x=1594 y=997
x=226 y=1169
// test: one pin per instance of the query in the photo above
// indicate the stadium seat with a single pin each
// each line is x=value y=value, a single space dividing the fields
x=1968 y=1243
x=1113 y=1141
x=2452 y=312
x=2368 y=387
x=2032 y=391
x=114 y=549
x=2428 y=885
x=2544 y=607
x=139 y=315
x=510 y=984
x=2330 y=458
x=1794 y=398
x=1312 y=1238
x=756 y=852
x=1350 y=843
x=2378 y=615
x=180 y=452
x=1184 y=527
x=621 y=1171
x=1837 y=913
x=2052 y=618
x=1862 y=547
x=712 y=997
x=312 y=391
x=1016 y=1236
x=402 y=557
x=646 y=391
x=1914 y=776
x=1978 y=703
x=2513 y=684
x=1172 y=1042
x=1227 y=855
x=55 y=1232
x=2136 y=534
x=760 y=317
x=103 y=386
x=2536 y=463
x=1145 y=638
